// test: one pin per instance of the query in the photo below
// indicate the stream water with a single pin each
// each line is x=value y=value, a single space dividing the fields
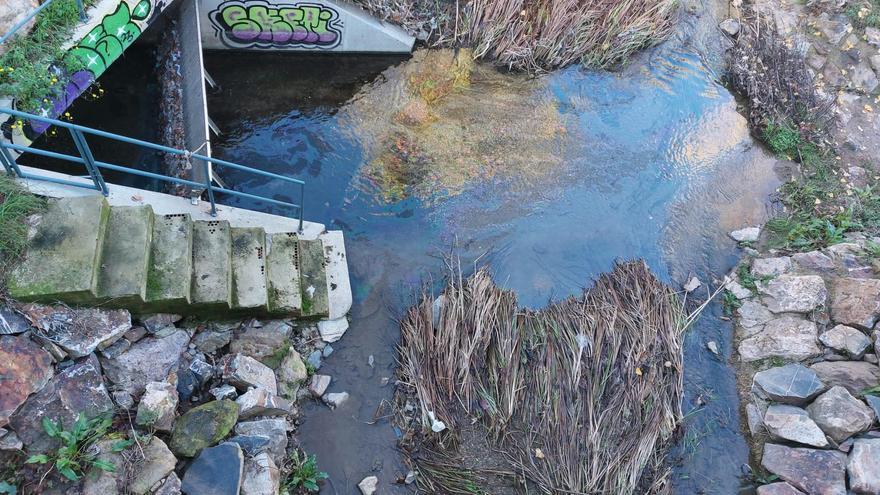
x=654 y=163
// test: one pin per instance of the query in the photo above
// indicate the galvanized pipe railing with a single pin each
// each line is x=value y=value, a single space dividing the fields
x=93 y=166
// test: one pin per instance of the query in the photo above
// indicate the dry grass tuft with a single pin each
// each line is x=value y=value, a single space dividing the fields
x=581 y=397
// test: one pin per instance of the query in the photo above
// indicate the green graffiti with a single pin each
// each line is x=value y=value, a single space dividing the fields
x=257 y=23
x=106 y=41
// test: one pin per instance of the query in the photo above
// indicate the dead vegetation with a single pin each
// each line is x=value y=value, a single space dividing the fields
x=580 y=397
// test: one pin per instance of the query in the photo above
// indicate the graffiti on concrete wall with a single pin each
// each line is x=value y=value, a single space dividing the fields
x=259 y=24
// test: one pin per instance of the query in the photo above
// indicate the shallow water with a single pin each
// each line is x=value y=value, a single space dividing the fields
x=653 y=163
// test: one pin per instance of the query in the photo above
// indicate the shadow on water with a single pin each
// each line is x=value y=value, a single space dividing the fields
x=654 y=164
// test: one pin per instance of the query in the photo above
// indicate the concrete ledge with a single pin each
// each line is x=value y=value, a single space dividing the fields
x=338 y=281
x=212 y=265
x=249 y=269
x=168 y=281
x=122 y=277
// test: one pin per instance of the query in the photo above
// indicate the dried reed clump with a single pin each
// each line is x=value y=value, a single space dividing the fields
x=535 y=35
x=772 y=74
x=581 y=397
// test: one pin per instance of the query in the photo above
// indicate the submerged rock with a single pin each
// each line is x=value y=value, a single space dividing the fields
x=25 y=368
x=793 y=293
x=808 y=470
x=786 y=337
x=839 y=414
x=864 y=466
x=793 y=384
x=203 y=426
x=792 y=423
x=855 y=302
x=216 y=471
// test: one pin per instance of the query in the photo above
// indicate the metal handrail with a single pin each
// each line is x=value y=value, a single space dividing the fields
x=93 y=166
x=34 y=13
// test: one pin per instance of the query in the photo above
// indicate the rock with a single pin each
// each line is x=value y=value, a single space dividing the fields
x=10 y=441
x=262 y=342
x=291 y=373
x=209 y=341
x=753 y=315
x=203 y=426
x=314 y=359
x=202 y=371
x=116 y=349
x=792 y=423
x=872 y=36
x=157 y=406
x=77 y=389
x=159 y=321
x=855 y=302
x=839 y=414
x=216 y=471
x=864 y=466
x=786 y=337
x=813 y=261
x=98 y=481
x=274 y=429
x=855 y=376
x=149 y=360
x=13 y=12
x=134 y=334
x=261 y=476
x=874 y=403
x=158 y=463
x=368 y=485
x=730 y=27
x=713 y=347
x=754 y=419
x=336 y=399
x=816 y=61
x=224 y=392
x=793 y=293
x=863 y=78
x=11 y=322
x=187 y=384
x=319 y=385
x=259 y=402
x=834 y=29
x=122 y=399
x=692 y=285
x=333 y=330
x=770 y=267
x=171 y=486
x=781 y=488
x=793 y=384
x=79 y=331
x=748 y=234
x=25 y=368
x=243 y=372
x=808 y=470
x=846 y=339
x=252 y=444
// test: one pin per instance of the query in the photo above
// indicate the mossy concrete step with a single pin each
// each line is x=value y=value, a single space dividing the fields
x=62 y=259
x=212 y=265
x=171 y=259
x=313 y=278
x=282 y=274
x=249 y=269
x=122 y=277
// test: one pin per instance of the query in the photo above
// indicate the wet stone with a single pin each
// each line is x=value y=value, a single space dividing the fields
x=793 y=293
x=864 y=466
x=793 y=384
x=25 y=368
x=787 y=337
x=203 y=426
x=855 y=376
x=11 y=322
x=368 y=485
x=216 y=471
x=187 y=384
x=243 y=372
x=748 y=234
x=251 y=444
x=314 y=359
x=336 y=399
x=846 y=340
x=855 y=302
x=79 y=331
x=792 y=423
x=319 y=384
x=839 y=414
x=149 y=360
x=808 y=470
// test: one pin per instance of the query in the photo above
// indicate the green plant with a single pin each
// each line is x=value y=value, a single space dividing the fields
x=75 y=454
x=304 y=474
x=747 y=280
x=15 y=205
x=729 y=302
x=864 y=14
x=802 y=232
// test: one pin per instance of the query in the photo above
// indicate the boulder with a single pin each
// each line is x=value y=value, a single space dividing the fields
x=216 y=471
x=855 y=376
x=748 y=234
x=791 y=423
x=332 y=330
x=809 y=470
x=261 y=476
x=770 y=267
x=787 y=337
x=203 y=426
x=262 y=342
x=814 y=261
x=260 y=402
x=846 y=340
x=368 y=485
x=149 y=360
x=793 y=293
x=839 y=414
x=793 y=384
x=855 y=302
x=25 y=368
x=273 y=429
x=319 y=384
x=158 y=462
x=291 y=373
x=244 y=371
x=781 y=488
x=864 y=466
x=79 y=331
x=11 y=321
x=77 y=389
x=157 y=406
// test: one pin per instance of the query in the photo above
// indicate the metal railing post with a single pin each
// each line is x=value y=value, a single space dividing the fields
x=302 y=202
x=209 y=187
x=9 y=162
x=86 y=154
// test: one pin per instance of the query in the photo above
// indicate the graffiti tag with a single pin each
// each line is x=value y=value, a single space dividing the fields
x=256 y=23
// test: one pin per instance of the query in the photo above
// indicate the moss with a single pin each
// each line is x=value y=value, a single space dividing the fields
x=274 y=360
x=307 y=304
x=16 y=204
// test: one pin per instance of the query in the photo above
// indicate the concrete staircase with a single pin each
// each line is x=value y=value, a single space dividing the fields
x=85 y=252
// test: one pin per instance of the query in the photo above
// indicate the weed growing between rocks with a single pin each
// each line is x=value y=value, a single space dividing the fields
x=864 y=14
x=304 y=474
x=16 y=205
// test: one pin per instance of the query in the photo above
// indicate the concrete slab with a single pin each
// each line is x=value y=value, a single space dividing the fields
x=62 y=259
x=282 y=273
x=122 y=278
x=313 y=278
x=249 y=269
x=169 y=281
x=338 y=281
x=212 y=264
x=166 y=204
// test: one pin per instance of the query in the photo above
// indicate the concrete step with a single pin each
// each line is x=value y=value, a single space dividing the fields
x=171 y=259
x=313 y=278
x=62 y=259
x=338 y=281
x=282 y=273
x=212 y=265
x=122 y=278
x=249 y=269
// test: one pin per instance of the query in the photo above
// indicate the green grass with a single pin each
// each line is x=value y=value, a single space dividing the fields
x=864 y=14
x=33 y=67
x=15 y=205
x=805 y=233
x=304 y=475
x=729 y=302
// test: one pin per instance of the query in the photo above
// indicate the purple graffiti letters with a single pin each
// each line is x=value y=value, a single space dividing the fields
x=256 y=23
